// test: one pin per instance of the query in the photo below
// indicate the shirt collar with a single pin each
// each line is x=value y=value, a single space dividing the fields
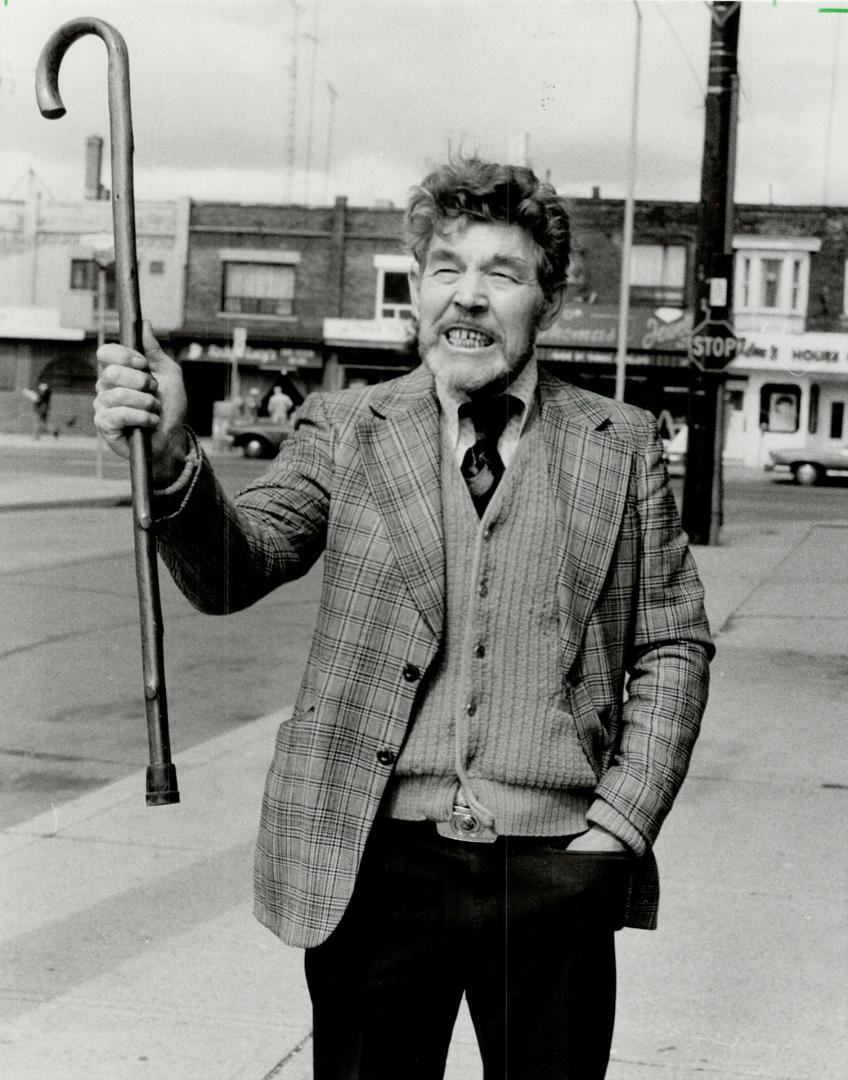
x=523 y=387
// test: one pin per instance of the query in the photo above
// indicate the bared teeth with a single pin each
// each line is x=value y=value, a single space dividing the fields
x=463 y=338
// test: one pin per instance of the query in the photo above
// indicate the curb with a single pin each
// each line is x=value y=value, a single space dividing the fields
x=84 y=503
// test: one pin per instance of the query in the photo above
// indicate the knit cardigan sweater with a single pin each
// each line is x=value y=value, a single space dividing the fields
x=490 y=727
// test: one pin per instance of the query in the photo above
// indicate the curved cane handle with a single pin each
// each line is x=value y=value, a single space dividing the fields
x=161 y=775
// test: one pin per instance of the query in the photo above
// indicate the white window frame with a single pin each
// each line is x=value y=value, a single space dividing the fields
x=258 y=257
x=793 y=254
x=390 y=264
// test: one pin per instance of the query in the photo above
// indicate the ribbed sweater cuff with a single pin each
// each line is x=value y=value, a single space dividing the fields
x=602 y=814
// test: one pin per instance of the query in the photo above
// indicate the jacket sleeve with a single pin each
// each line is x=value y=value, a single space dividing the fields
x=667 y=669
x=225 y=554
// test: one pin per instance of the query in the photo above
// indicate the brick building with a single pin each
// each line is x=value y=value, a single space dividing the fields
x=263 y=283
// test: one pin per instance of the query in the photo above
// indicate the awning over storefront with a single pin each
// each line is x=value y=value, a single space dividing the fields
x=36 y=324
x=368 y=333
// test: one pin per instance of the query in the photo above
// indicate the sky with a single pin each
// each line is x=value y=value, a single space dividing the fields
x=225 y=108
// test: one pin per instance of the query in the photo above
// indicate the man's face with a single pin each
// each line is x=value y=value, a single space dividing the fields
x=479 y=304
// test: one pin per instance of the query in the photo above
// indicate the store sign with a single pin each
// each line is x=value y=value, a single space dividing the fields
x=283 y=357
x=595 y=326
x=793 y=354
x=368 y=333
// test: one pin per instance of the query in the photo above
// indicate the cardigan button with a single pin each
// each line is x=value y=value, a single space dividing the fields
x=386 y=756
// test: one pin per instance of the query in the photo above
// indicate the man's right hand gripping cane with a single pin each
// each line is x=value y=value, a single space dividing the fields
x=143 y=391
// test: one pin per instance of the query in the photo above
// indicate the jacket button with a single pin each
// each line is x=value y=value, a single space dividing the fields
x=411 y=673
x=386 y=757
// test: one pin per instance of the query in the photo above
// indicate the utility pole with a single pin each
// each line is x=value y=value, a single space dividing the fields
x=713 y=343
x=627 y=232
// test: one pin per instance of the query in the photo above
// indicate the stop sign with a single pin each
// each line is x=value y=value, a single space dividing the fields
x=713 y=345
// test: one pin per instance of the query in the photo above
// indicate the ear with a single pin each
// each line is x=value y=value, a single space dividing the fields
x=551 y=308
x=415 y=286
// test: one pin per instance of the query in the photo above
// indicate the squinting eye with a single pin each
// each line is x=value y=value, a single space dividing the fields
x=445 y=273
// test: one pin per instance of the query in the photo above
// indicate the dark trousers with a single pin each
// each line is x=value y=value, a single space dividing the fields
x=521 y=926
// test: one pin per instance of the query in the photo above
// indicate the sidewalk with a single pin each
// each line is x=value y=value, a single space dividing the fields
x=128 y=948
x=35 y=491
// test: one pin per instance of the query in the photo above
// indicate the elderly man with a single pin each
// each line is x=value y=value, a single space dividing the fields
x=509 y=667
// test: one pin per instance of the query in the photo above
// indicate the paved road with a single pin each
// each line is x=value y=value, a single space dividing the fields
x=72 y=711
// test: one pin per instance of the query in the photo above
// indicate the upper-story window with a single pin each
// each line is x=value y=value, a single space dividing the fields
x=393 y=300
x=84 y=274
x=658 y=275
x=772 y=277
x=259 y=282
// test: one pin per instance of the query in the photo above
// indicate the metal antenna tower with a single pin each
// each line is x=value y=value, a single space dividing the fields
x=291 y=144
x=313 y=38
x=331 y=90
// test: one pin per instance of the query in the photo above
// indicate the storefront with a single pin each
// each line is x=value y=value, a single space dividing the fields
x=361 y=352
x=216 y=373
x=35 y=348
x=581 y=346
x=786 y=390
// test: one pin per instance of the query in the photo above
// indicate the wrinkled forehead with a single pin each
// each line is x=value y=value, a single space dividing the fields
x=501 y=238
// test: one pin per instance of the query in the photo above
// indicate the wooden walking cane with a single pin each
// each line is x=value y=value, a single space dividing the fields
x=161 y=774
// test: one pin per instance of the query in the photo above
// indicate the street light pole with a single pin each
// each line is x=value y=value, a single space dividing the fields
x=101 y=340
x=627 y=236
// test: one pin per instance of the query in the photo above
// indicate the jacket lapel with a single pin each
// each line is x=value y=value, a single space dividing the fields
x=400 y=451
x=589 y=469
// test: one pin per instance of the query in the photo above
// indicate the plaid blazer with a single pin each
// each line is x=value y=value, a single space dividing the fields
x=359 y=483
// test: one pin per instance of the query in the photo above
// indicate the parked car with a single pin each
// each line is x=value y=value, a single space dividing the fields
x=258 y=438
x=809 y=464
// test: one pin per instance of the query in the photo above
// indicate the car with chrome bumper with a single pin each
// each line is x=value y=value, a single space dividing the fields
x=809 y=464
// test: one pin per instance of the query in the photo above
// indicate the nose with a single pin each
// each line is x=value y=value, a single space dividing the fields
x=470 y=291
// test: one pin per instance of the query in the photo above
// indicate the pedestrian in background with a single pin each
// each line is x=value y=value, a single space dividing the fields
x=41 y=398
x=280 y=405
x=509 y=667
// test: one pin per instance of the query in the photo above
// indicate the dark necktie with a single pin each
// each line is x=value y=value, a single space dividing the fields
x=482 y=466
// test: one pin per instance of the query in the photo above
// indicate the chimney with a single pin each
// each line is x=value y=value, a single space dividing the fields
x=596 y=193
x=93 y=165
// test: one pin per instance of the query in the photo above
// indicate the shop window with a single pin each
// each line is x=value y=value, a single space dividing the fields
x=837 y=419
x=658 y=275
x=70 y=374
x=258 y=288
x=8 y=372
x=780 y=407
x=84 y=278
